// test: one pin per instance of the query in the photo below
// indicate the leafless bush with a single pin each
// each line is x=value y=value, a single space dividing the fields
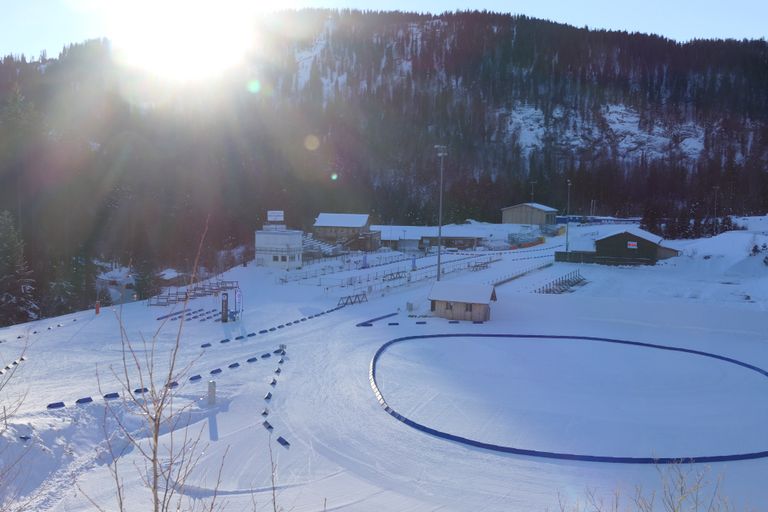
x=683 y=488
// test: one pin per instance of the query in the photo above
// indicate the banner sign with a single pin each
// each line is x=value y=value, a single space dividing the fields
x=631 y=245
x=275 y=216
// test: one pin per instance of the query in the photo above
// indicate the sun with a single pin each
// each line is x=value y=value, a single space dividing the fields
x=179 y=40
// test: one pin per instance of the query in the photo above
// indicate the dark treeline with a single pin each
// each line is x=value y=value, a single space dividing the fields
x=98 y=160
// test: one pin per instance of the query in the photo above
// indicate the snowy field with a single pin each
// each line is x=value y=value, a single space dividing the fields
x=347 y=453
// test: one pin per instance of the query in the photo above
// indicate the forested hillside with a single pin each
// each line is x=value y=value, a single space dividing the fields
x=339 y=111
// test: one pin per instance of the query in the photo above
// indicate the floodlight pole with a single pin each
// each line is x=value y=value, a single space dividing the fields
x=442 y=152
x=568 y=217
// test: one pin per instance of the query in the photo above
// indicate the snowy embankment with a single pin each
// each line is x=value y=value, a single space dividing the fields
x=346 y=453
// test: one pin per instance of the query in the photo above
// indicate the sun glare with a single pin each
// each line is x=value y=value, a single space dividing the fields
x=182 y=40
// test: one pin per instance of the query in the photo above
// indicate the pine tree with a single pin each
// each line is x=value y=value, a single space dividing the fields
x=146 y=280
x=17 y=303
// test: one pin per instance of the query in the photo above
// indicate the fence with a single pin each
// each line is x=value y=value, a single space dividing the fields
x=516 y=275
x=428 y=272
x=200 y=289
x=344 y=263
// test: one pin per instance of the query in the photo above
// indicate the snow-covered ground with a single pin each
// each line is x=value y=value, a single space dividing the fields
x=347 y=453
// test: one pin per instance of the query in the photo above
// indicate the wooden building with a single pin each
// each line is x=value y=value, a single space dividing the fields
x=529 y=213
x=631 y=246
x=462 y=301
x=351 y=230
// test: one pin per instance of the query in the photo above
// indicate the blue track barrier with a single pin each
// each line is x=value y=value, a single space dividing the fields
x=111 y=396
x=696 y=459
x=55 y=405
x=283 y=442
x=84 y=400
x=368 y=322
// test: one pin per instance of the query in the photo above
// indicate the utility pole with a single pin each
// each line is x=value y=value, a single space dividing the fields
x=568 y=217
x=442 y=152
x=530 y=209
x=716 y=189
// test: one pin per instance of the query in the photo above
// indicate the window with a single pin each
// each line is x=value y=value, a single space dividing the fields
x=449 y=306
x=468 y=308
x=283 y=258
x=432 y=307
x=291 y=258
x=275 y=258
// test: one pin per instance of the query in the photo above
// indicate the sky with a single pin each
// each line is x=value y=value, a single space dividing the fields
x=30 y=26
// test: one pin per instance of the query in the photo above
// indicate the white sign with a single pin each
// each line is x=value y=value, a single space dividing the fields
x=275 y=216
x=631 y=245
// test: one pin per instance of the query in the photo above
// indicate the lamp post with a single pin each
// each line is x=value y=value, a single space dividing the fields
x=568 y=217
x=442 y=152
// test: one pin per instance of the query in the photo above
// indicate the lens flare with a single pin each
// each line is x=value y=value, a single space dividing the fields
x=311 y=142
x=181 y=40
x=334 y=176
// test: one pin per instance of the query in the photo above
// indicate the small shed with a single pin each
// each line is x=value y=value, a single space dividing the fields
x=626 y=246
x=633 y=244
x=529 y=213
x=462 y=301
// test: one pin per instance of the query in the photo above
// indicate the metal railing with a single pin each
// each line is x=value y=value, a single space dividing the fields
x=563 y=283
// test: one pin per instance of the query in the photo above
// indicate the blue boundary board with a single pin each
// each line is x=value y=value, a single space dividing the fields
x=702 y=459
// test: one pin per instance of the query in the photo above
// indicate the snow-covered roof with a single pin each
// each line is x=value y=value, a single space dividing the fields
x=462 y=292
x=394 y=233
x=341 y=220
x=169 y=273
x=640 y=233
x=470 y=229
x=538 y=206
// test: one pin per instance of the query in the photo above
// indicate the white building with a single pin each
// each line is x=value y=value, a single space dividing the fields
x=278 y=247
